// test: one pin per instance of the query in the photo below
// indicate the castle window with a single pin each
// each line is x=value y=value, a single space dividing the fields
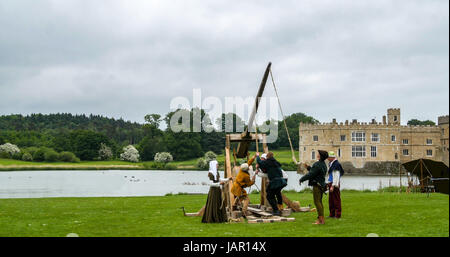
x=375 y=137
x=313 y=155
x=429 y=141
x=339 y=152
x=343 y=137
x=358 y=151
x=316 y=138
x=405 y=152
x=393 y=138
x=405 y=141
x=373 y=151
x=396 y=156
x=395 y=118
x=358 y=136
x=429 y=152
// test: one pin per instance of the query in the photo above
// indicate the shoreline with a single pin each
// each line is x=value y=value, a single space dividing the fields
x=47 y=167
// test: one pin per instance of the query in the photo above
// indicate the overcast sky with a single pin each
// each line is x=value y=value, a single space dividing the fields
x=331 y=59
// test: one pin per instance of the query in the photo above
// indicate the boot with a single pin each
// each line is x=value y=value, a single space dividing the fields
x=276 y=213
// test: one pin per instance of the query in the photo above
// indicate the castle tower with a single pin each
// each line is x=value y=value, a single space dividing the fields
x=443 y=123
x=393 y=115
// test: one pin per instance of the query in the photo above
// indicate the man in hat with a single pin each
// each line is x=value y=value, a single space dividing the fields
x=335 y=172
x=240 y=183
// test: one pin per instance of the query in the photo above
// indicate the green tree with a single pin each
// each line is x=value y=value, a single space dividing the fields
x=86 y=144
x=416 y=122
x=183 y=146
x=152 y=142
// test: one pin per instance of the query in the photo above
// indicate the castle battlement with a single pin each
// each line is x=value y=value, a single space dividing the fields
x=324 y=125
x=359 y=142
x=443 y=120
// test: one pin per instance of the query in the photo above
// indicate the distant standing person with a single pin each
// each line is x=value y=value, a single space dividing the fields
x=316 y=177
x=335 y=173
x=215 y=208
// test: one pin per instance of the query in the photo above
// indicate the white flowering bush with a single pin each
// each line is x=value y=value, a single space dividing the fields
x=163 y=157
x=105 y=152
x=130 y=153
x=27 y=157
x=9 y=149
x=202 y=164
x=209 y=156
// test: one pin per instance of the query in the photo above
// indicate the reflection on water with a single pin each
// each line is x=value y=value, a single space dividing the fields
x=34 y=184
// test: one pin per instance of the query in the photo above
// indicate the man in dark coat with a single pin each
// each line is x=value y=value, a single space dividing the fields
x=276 y=181
x=316 y=178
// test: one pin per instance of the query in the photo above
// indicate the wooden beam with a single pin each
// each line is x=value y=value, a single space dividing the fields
x=262 y=85
x=290 y=204
x=243 y=146
x=264 y=201
x=259 y=212
x=251 y=137
x=280 y=219
x=228 y=173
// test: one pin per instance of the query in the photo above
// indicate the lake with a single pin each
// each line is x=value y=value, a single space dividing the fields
x=108 y=183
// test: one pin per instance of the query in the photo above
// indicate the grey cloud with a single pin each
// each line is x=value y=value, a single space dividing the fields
x=331 y=59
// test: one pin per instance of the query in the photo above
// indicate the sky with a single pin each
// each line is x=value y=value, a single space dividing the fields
x=125 y=59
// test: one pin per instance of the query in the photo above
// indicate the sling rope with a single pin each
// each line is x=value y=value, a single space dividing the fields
x=256 y=136
x=284 y=119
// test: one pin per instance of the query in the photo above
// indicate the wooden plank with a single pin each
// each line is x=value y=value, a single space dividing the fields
x=259 y=212
x=238 y=137
x=255 y=210
x=271 y=220
x=194 y=214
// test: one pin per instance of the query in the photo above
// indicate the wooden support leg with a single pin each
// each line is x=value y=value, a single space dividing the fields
x=263 y=192
x=228 y=173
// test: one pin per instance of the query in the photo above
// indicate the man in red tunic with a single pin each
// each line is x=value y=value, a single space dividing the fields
x=335 y=172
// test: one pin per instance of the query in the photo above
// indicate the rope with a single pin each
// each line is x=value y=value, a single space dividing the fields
x=284 y=119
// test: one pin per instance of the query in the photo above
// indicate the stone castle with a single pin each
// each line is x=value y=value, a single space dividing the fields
x=375 y=147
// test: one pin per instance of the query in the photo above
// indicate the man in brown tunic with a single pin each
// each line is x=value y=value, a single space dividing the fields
x=240 y=183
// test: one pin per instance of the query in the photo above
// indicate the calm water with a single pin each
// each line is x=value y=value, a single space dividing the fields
x=34 y=184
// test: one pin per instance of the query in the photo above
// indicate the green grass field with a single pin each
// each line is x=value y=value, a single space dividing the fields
x=283 y=155
x=386 y=214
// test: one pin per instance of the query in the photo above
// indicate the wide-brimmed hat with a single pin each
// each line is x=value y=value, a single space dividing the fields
x=323 y=154
x=331 y=154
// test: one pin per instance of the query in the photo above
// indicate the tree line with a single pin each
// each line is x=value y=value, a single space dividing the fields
x=83 y=135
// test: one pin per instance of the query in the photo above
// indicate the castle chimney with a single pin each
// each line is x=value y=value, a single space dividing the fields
x=384 y=119
x=373 y=121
